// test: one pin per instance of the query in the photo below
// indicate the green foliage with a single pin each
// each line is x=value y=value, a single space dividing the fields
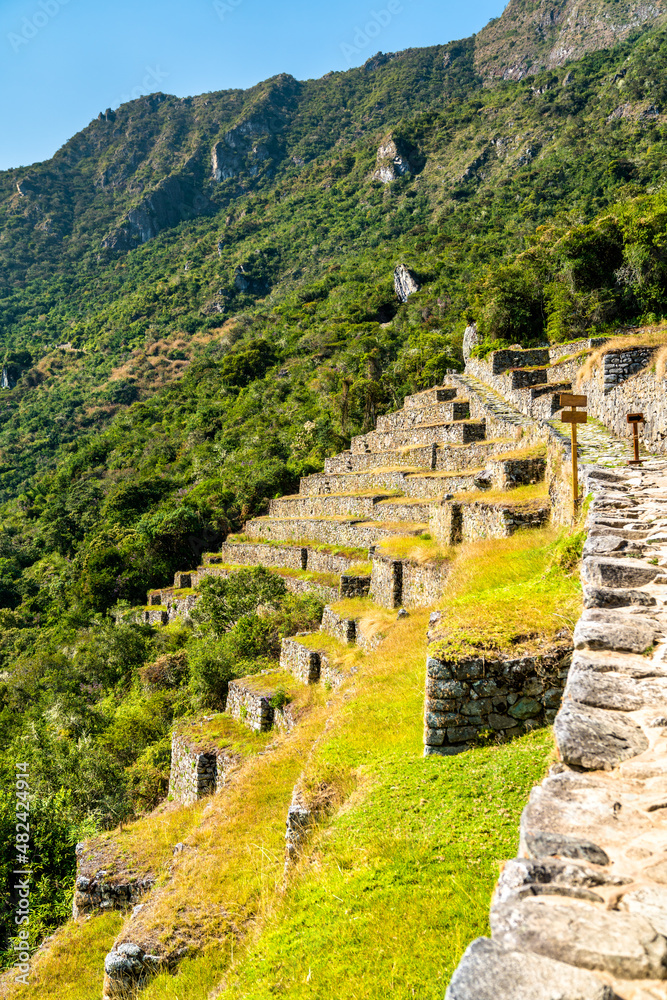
x=226 y=599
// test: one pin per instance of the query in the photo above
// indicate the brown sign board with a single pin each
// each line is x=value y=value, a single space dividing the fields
x=567 y=399
x=636 y=418
x=574 y=417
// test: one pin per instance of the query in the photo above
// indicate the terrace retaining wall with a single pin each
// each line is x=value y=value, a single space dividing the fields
x=502 y=695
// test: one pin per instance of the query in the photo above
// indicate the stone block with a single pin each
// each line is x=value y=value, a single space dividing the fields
x=623 y=945
x=488 y=971
x=596 y=739
x=500 y=722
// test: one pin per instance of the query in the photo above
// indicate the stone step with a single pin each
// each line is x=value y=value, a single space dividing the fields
x=455 y=409
x=409 y=483
x=330 y=530
x=439 y=394
x=462 y=431
x=324 y=559
x=502 y=418
x=328 y=505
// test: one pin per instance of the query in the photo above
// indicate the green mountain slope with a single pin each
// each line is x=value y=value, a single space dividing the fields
x=197 y=306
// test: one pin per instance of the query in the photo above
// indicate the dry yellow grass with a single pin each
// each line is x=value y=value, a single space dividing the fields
x=654 y=336
x=421 y=550
x=508 y=498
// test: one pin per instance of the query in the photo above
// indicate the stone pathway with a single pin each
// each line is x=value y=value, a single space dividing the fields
x=492 y=400
x=597 y=445
x=581 y=914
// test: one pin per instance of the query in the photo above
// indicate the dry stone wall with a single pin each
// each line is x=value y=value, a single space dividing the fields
x=387 y=581
x=100 y=891
x=456 y=521
x=356 y=534
x=341 y=628
x=643 y=392
x=422 y=583
x=503 y=695
x=197 y=770
x=582 y=911
x=406 y=583
x=256 y=554
x=253 y=708
x=300 y=661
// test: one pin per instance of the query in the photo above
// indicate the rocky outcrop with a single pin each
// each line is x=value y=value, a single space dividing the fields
x=172 y=201
x=393 y=161
x=405 y=282
x=582 y=912
x=470 y=340
x=247 y=148
x=529 y=37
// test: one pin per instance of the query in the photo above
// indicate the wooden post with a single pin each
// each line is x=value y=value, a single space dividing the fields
x=636 y=419
x=573 y=417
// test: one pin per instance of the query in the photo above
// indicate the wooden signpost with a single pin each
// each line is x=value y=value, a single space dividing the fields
x=636 y=419
x=573 y=417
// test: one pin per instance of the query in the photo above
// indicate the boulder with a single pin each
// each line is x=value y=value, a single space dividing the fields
x=624 y=945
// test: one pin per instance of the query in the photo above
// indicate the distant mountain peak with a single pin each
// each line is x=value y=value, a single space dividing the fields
x=532 y=35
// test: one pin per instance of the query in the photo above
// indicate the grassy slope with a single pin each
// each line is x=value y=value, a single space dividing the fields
x=396 y=883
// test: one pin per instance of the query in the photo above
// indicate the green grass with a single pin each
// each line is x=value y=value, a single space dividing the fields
x=510 y=593
x=334 y=550
x=222 y=731
x=396 y=879
x=421 y=549
x=271 y=682
x=392 y=888
x=354 y=607
x=519 y=495
x=72 y=968
x=531 y=451
x=401 y=883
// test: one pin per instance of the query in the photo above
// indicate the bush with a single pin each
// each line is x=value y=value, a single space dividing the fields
x=224 y=600
x=167 y=671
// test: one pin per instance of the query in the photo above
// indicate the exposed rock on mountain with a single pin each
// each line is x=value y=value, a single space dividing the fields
x=532 y=35
x=173 y=201
x=405 y=282
x=393 y=161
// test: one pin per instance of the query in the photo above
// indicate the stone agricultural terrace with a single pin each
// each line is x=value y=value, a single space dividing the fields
x=479 y=457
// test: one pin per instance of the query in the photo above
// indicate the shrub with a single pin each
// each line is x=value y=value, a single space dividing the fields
x=167 y=671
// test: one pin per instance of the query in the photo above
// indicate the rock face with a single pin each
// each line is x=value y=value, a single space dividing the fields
x=588 y=892
x=405 y=283
x=246 y=148
x=393 y=161
x=172 y=201
x=470 y=340
x=529 y=37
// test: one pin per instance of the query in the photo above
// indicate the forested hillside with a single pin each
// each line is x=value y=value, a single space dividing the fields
x=197 y=306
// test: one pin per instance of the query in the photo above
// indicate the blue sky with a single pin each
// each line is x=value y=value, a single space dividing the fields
x=64 y=61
